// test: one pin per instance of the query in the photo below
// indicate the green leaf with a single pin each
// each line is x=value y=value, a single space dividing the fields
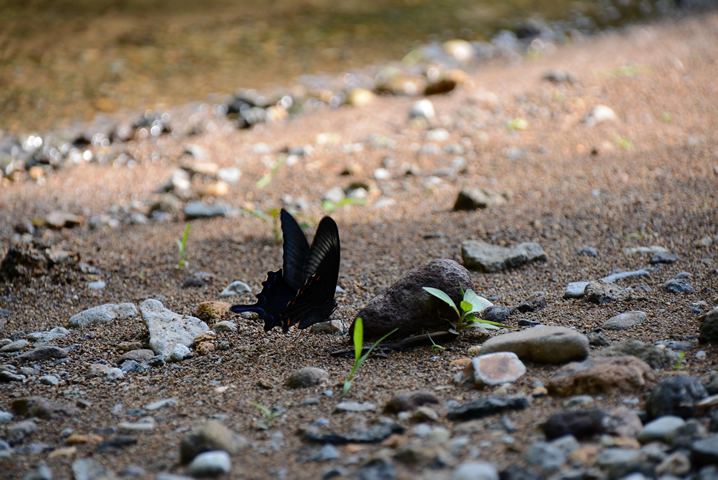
x=466 y=306
x=364 y=357
x=347 y=386
x=478 y=303
x=444 y=297
x=358 y=338
x=264 y=409
x=179 y=244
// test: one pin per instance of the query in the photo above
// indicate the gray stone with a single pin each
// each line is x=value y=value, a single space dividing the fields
x=342 y=407
x=622 y=275
x=685 y=435
x=15 y=346
x=409 y=401
x=575 y=290
x=422 y=108
x=663 y=257
x=5 y=417
x=167 y=402
x=624 y=321
x=541 y=344
x=657 y=357
x=477 y=198
x=491 y=258
x=235 y=288
x=306 y=377
x=623 y=422
x=675 y=395
x=678 y=285
x=676 y=464
x=17 y=433
x=104 y=313
x=475 y=471
x=600 y=114
x=601 y=375
x=487 y=406
x=405 y=305
x=602 y=292
x=491 y=369
x=497 y=313
x=326 y=452
x=179 y=352
x=89 y=469
x=619 y=462
x=210 y=464
x=210 y=436
x=49 y=380
x=42 y=408
x=197 y=210
x=115 y=374
x=547 y=457
x=578 y=401
x=43 y=352
x=644 y=250
x=41 y=472
x=705 y=451
x=55 y=333
x=225 y=326
x=660 y=429
x=168 y=329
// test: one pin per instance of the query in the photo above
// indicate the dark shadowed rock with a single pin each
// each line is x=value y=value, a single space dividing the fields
x=493 y=258
x=532 y=304
x=601 y=375
x=497 y=313
x=580 y=424
x=374 y=434
x=23 y=261
x=409 y=401
x=475 y=198
x=42 y=408
x=487 y=406
x=709 y=327
x=675 y=395
x=405 y=305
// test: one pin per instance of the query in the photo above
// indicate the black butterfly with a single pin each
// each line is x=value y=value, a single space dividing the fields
x=302 y=292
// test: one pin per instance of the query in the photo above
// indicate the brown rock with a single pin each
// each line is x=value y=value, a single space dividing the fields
x=216 y=189
x=410 y=401
x=600 y=375
x=205 y=348
x=140 y=356
x=42 y=353
x=541 y=344
x=491 y=369
x=406 y=306
x=127 y=346
x=210 y=436
x=212 y=312
x=59 y=219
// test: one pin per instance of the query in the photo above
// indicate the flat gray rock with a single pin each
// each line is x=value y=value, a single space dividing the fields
x=660 y=429
x=541 y=344
x=657 y=357
x=624 y=321
x=575 y=290
x=55 y=333
x=104 y=313
x=210 y=464
x=491 y=369
x=492 y=258
x=405 y=305
x=197 y=210
x=235 y=288
x=602 y=292
x=167 y=328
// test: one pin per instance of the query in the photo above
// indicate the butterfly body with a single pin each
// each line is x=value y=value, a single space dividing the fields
x=302 y=292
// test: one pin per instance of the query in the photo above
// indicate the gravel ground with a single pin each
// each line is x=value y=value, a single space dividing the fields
x=649 y=177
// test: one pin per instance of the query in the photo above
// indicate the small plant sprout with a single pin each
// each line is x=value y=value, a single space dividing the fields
x=358 y=347
x=470 y=304
x=330 y=207
x=622 y=142
x=182 y=246
x=267 y=178
x=679 y=361
x=434 y=346
x=269 y=415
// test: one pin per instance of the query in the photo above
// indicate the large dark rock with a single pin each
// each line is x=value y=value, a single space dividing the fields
x=675 y=395
x=709 y=327
x=407 y=307
x=577 y=423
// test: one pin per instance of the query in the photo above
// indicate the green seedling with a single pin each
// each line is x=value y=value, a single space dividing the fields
x=182 y=246
x=470 y=305
x=622 y=142
x=517 y=124
x=358 y=347
x=666 y=117
x=271 y=218
x=267 y=178
x=269 y=415
x=330 y=207
x=679 y=361
x=434 y=346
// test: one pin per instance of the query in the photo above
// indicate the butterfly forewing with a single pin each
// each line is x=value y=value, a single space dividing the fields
x=296 y=251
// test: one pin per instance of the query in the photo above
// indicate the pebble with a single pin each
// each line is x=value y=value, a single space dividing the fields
x=143 y=425
x=491 y=369
x=334 y=195
x=59 y=219
x=49 y=380
x=675 y=395
x=663 y=258
x=306 y=377
x=41 y=472
x=168 y=329
x=624 y=321
x=104 y=313
x=547 y=457
x=578 y=401
x=15 y=346
x=98 y=285
x=477 y=198
x=709 y=327
x=198 y=279
x=657 y=357
x=141 y=355
x=90 y=469
x=541 y=344
x=167 y=402
x=225 y=326
x=115 y=374
x=705 y=451
x=409 y=401
x=602 y=292
x=422 y=108
x=42 y=353
x=678 y=285
x=179 y=352
x=475 y=471
x=199 y=210
x=5 y=416
x=210 y=464
x=497 y=313
x=492 y=258
x=575 y=290
x=342 y=407
x=326 y=452
x=644 y=250
x=54 y=334
x=17 y=433
x=332 y=327
x=676 y=464
x=382 y=174
x=211 y=435
x=623 y=275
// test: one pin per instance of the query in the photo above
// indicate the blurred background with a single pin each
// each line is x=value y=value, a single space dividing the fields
x=68 y=60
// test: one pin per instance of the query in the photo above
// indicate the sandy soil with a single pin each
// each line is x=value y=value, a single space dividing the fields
x=648 y=178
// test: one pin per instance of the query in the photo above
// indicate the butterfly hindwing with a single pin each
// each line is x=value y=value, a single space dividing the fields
x=276 y=294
